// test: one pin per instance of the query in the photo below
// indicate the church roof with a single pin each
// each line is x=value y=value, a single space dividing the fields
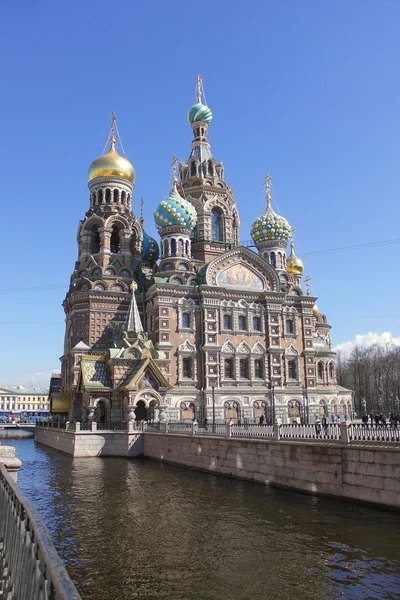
x=81 y=346
x=137 y=371
x=94 y=374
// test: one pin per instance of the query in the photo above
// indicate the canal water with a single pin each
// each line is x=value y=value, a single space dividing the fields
x=136 y=529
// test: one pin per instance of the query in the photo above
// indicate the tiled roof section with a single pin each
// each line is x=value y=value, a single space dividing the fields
x=340 y=388
x=55 y=384
x=138 y=370
x=94 y=375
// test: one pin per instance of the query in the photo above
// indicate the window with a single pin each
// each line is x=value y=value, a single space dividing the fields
x=193 y=235
x=289 y=328
x=320 y=370
x=292 y=369
x=227 y=322
x=173 y=247
x=186 y=320
x=95 y=242
x=228 y=368
x=243 y=368
x=114 y=243
x=216 y=226
x=242 y=323
x=256 y=323
x=187 y=367
x=258 y=369
x=331 y=370
x=273 y=259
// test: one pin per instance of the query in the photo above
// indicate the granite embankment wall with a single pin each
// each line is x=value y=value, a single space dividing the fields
x=364 y=473
x=86 y=443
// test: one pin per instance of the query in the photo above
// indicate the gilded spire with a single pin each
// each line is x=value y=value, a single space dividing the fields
x=267 y=185
x=112 y=131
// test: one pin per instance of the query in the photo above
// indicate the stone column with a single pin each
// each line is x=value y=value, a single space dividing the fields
x=162 y=417
x=125 y=241
x=9 y=460
x=130 y=414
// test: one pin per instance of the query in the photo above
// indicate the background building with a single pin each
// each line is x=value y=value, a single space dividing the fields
x=23 y=400
x=212 y=324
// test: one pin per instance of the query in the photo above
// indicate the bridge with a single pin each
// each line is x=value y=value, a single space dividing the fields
x=30 y=568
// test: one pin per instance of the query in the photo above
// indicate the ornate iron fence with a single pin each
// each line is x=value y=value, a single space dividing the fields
x=30 y=568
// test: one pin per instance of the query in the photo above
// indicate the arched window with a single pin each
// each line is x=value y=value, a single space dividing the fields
x=193 y=235
x=187 y=248
x=272 y=259
x=128 y=199
x=95 y=242
x=123 y=197
x=292 y=369
x=100 y=197
x=256 y=323
x=258 y=369
x=216 y=225
x=187 y=368
x=210 y=168
x=227 y=322
x=108 y=196
x=244 y=368
x=242 y=323
x=193 y=169
x=115 y=195
x=93 y=198
x=173 y=247
x=228 y=368
x=320 y=369
x=114 y=242
x=289 y=326
x=186 y=320
x=331 y=370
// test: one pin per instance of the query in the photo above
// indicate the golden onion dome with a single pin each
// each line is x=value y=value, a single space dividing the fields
x=112 y=165
x=294 y=265
x=315 y=310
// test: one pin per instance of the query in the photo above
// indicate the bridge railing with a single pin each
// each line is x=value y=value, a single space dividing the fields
x=374 y=433
x=30 y=568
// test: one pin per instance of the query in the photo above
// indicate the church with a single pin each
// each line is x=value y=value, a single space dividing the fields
x=193 y=325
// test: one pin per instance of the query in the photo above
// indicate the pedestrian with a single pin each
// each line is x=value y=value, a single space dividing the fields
x=325 y=425
x=318 y=426
x=206 y=423
x=371 y=416
x=377 y=418
x=261 y=422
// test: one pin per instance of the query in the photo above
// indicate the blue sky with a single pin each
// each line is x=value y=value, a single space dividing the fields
x=306 y=91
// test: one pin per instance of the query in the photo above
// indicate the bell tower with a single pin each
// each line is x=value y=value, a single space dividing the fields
x=109 y=252
x=202 y=184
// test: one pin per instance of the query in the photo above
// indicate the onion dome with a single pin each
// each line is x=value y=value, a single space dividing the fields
x=150 y=249
x=270 y=226
x=112 y=165
x=175 y=211
x=294 y=266
x=315 y=310
x=199 y=112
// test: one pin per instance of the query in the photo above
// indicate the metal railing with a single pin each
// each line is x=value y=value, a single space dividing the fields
x=331 y=431
x=30 y=568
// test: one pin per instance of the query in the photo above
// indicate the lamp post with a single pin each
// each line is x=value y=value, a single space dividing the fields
x=272 y=385
x=213 y=384
x=306 y=415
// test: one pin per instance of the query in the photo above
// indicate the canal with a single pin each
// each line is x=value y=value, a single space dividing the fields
x=133 y=529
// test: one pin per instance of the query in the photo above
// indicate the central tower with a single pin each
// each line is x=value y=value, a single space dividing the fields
x=202 y=184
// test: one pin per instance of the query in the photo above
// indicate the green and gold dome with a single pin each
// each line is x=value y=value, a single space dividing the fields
x=270 y=227
x=199 y=113
x=112 y=164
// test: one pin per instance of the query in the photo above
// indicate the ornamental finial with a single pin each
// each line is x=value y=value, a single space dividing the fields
x=112 y=130
x=174 y=166
x=199 y=85
x=141 y=211
x=307 y=281
x=267 y=184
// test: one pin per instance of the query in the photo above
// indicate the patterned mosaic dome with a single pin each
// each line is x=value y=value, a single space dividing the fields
x=270 y=227
x=150 y=249
x=199 y=112
x=175 y=211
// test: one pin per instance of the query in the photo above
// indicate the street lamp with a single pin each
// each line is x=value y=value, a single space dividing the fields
x=306 y=415
x=213 y=383
x=272 y=386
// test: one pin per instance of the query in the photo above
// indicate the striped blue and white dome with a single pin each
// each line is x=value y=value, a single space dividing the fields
x=199 y=112
x=175 y=211
x=150 y=249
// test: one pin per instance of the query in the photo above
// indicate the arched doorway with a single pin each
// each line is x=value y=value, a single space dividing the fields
x=141 y=411
x=101 y=412
x=294 y=411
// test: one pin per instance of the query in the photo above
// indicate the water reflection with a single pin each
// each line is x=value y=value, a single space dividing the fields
x=138 y=529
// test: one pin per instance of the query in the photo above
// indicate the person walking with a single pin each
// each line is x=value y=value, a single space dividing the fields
x=325 y=425
x=261 y=422
x=318 y=426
